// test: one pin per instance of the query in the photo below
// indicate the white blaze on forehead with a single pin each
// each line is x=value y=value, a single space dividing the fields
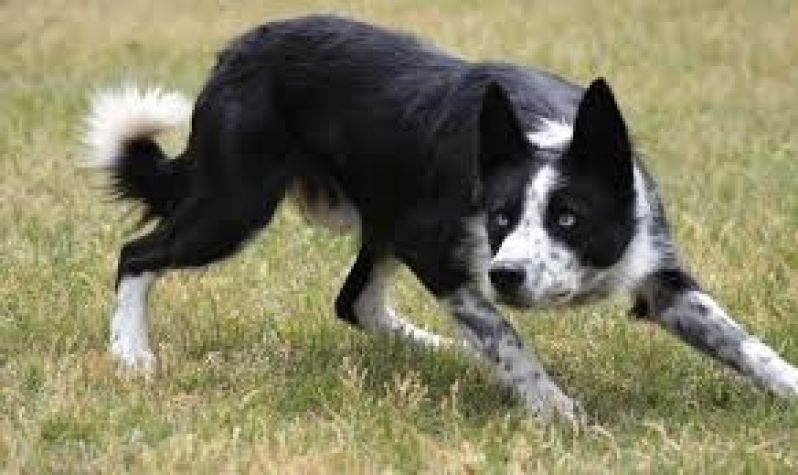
x=525 y=241
x=552 y=134
x=529 y=235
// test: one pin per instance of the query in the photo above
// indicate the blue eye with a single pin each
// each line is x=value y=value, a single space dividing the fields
x=566 y=220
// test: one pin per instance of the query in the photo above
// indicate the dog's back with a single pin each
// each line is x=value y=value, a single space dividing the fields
x=355 y=101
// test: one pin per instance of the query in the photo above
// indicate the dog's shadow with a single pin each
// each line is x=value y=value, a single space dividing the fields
x=324 y=367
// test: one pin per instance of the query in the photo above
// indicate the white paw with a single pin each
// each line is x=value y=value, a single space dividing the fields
x=785 y=382
x=133 y=358
x=769 y=369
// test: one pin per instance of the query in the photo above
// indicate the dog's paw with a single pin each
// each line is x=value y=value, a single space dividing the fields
x=784 y=383
x=550 y=403
x=133 y=360
x=768 y=369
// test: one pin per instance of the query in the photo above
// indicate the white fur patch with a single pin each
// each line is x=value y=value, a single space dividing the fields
x=552 y=134
x=715 y=310
x=119 y=115
x=130 y=343
x=778 y=376
x=373 y=312
x=526 y=240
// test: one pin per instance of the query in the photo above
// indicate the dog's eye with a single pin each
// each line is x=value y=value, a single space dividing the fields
x=566 y=220
x=501 y=220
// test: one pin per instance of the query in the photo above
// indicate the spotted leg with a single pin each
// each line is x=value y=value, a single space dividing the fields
x=675 y=301
x=451 y=258
x=500 y=346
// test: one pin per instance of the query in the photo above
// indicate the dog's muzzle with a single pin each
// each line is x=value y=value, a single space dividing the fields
x=521 y=284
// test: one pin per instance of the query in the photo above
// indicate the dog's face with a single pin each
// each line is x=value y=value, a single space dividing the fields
x=560 y=222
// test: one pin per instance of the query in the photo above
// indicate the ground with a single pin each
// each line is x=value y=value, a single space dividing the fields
x=256 y=373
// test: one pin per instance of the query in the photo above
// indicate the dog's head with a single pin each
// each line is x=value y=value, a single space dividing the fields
x=560 y=224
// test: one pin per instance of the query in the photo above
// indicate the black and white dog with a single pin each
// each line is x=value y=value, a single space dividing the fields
x=482 y=178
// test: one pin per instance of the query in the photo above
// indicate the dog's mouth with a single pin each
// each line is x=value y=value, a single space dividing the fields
x=514 y=286
x=554 y=299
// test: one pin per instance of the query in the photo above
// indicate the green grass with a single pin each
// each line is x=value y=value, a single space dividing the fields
x=256 y=373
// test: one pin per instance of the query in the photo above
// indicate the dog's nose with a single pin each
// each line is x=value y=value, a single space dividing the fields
x=506 y=277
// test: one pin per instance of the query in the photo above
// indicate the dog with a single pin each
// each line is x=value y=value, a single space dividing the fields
x=491 y=182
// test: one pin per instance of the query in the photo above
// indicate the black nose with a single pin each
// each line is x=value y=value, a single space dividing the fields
x=506 y=278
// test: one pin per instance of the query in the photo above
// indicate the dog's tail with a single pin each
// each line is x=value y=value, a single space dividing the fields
x=120 y=130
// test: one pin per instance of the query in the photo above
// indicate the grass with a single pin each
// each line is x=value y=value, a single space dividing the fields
x=256 y=373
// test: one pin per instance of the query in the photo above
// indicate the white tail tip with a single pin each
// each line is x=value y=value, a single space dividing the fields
x=119 y=115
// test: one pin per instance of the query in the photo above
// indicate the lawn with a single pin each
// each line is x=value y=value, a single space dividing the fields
x=257 y=375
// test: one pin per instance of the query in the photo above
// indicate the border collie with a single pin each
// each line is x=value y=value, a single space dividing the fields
x=489 y=181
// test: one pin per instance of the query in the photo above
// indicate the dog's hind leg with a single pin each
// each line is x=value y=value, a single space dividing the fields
x=363 y=300
x=204 y=228
x=129 y=327
x=675 y=301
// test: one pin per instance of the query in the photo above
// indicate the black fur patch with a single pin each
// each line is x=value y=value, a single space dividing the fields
x=662 y=287
x=144 y=174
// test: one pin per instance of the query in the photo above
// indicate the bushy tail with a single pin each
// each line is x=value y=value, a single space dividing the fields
x=120 y=130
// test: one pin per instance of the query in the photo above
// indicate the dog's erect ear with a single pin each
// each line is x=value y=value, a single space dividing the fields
x=600 y=146
x=501 y=138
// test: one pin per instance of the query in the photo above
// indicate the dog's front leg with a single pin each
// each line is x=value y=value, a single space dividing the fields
x=676 y=302
x=497 y=342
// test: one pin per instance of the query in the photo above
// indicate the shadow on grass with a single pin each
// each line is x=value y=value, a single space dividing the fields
x=335 y=367
x=311 y=367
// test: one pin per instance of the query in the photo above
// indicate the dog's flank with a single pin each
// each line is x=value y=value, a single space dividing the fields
x=481 y=178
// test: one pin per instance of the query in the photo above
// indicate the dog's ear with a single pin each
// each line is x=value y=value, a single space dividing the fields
x=501 y=139
x=601 y=147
